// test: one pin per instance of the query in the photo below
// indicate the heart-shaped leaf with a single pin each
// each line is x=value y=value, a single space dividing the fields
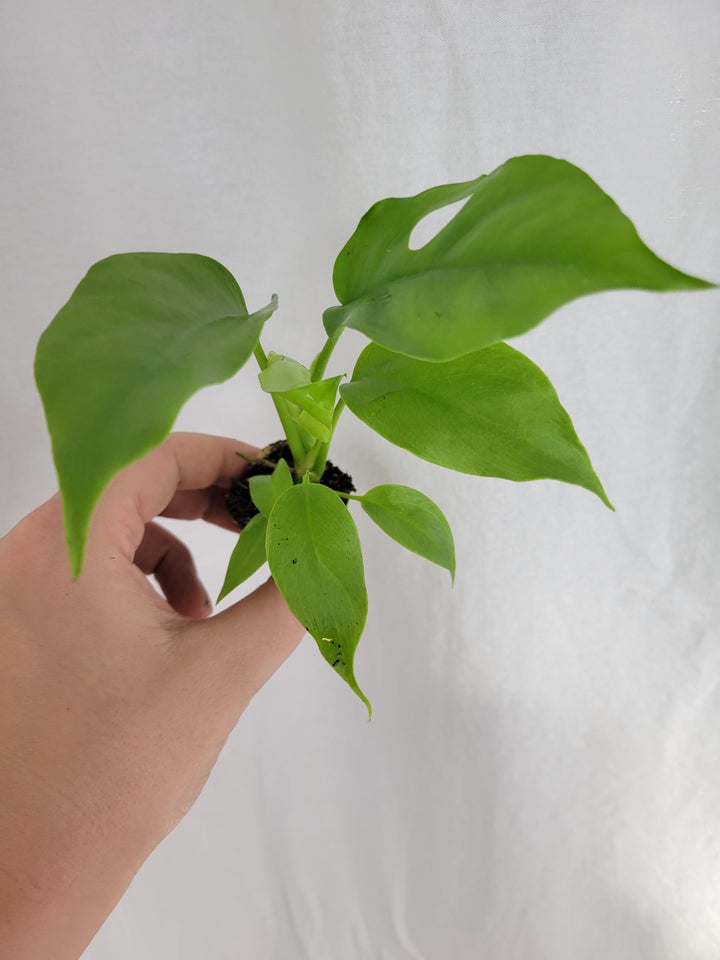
x=140 y=334
x=533 y=235
x=492 y=413
x=413 y=520
x=314 y=554
x=248 y=555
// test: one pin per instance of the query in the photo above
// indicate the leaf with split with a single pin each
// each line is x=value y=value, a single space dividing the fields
x=140 y=334
x=491 y=413
x=533 y=235
x=314 y=554
x=413 y=520
x=247 y=557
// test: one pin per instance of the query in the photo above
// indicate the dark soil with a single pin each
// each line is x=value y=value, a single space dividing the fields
x=238 y=500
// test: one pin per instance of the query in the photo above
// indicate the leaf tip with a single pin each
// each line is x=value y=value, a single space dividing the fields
x=75 y=539
x=604 y=497
x=76 y=565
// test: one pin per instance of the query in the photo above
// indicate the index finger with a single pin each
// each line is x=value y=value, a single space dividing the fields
x=183 y=462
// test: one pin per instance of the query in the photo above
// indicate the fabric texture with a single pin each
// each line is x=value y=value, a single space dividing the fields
x=541 y=777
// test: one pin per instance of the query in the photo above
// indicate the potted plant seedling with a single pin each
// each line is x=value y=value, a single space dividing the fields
x=436 y=377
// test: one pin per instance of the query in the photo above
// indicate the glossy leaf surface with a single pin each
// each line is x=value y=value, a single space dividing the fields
x=140 y=334
x=413 y=520
x=248 y=555
x=533 y=235
x=313 y=550
x=492 y=413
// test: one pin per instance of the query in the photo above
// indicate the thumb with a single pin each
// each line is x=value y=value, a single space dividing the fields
x=242 y=647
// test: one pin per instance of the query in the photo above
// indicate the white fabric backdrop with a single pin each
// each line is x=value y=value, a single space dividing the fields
x=541 y=778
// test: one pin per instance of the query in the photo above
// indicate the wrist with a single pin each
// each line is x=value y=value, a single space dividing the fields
x=54 y=916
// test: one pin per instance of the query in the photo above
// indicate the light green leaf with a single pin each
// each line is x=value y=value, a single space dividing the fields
x=492 y=413
x=282 y=373
x=311 y=404
x=265 y=488
x=140 y=334
x=281 y=479
x=261 y=493
x=533 y=235
x=313 y=550
x=248 y=555
x=412 y=519
x=316 y=403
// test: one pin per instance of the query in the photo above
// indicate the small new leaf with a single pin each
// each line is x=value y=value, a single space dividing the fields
x=248 y=555
x=281 y=479
x=261 y=493
x=282 y=373
x=266 y=488
x=316 y=402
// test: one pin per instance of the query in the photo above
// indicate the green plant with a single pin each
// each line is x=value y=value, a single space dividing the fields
x=436 y=377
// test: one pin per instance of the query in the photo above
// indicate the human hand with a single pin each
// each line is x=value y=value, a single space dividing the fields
x=115 y=702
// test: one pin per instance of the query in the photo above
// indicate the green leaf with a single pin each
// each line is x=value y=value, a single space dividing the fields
x=282 y=373
x=261 y=493
x=281 y=479
x=533 y=235
x=314 y=554
x=312 y=403
x=267 y=487
x=316 y=403
x=492 y=413
x=412 y=519
x=140 y=334
x=248 y=555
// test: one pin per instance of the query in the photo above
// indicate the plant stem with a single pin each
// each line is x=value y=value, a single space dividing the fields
x=260 y=356
x=283 y=411
x=321 y=360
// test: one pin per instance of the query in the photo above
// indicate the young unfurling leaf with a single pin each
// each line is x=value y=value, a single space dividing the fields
x=247 y=557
